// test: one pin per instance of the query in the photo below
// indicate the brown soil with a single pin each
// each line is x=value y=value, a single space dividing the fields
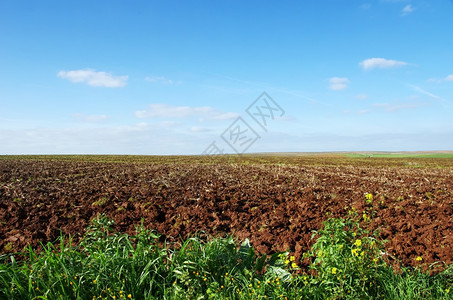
x=276 y=206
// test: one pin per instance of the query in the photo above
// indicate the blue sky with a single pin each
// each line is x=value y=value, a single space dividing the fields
x=170 y=77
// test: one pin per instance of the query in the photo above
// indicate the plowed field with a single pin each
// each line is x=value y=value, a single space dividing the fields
x=275 y=201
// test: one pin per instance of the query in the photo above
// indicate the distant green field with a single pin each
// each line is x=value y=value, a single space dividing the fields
x=401 y=155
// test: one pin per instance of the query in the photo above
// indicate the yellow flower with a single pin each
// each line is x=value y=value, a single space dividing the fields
x=447 y=291
x=286 y=262
x=294 y=265
x=334 y=270
x=419 y=258
x=358 y=243
x=354 y=252
x=129 y=296
x=292 y=258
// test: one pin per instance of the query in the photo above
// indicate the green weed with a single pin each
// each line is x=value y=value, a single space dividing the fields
x=346 y=263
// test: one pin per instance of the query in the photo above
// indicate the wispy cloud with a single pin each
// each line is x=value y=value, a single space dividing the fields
x=199 y=129
x=429 y=94
x=159 y=79
x=170 y=111
x=363 y=111
x=394 y=1
x=436 y=80
x=94 y=78
x=407 y=10
x=89 y=118
x=267 y=87
x=338 y=83
x=381 y=63
x=396 y=106
x=361 y=96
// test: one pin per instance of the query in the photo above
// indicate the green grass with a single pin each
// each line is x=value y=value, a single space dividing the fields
x=112 y=265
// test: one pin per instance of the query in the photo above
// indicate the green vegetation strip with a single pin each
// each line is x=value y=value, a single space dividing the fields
x=346 y=262
x=400 y=155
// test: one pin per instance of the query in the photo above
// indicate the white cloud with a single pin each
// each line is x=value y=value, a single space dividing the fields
x=138 y=138
x=407 y=10
x=381 y=63
x=93 y=78
x=338 y=83
x=361 y=96
x=449 y=78
x=89 y=118
x=170 y=111
x=159 y=79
